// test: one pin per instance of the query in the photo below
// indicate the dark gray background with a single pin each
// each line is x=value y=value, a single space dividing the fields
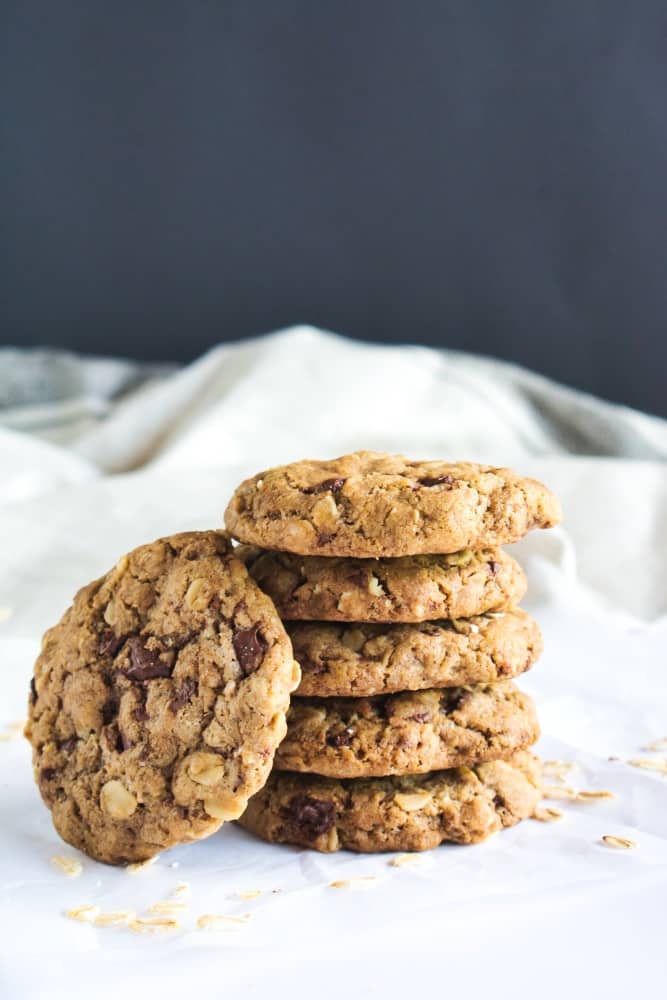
x=480 y=175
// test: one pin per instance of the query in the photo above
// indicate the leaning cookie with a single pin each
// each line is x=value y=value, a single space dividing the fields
x=159 y=699
x=369 y=504
x=408 y=733
x=465 y=805
x=360 y=660
x=408 y=589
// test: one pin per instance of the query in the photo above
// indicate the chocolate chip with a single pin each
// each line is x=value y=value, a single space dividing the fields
x=452 y=699
x=68 y=745
x=140 y=714
x=325 y=537
x=109 y=643
x=420 y=717
x=184 y=693
x=250 y=647
x=358 y=578
x=493 y=567
x=343 y=738
x=47 y=774
x=436 y=481
x=123 y=742
x=33 y=691
x=312 y=817
x=328 y=486
x=145 y=663
x=109 y=711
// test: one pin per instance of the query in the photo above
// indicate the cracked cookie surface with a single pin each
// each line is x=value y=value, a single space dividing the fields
x=159 y=699
x=361 y=660
x=369 y=504
x=464 y=805
x=406 y=589
x=408 y=733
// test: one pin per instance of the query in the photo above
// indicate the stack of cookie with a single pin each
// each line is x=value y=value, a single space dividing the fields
x=407 y=729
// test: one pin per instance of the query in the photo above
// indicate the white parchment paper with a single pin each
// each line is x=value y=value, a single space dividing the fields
x=542 y=907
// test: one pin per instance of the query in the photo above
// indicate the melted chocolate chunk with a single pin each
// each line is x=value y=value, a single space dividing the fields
x=493 y=567
x=123 y=742
x=312 y=817
x=250 y=647
x=343 y=738
x=328 y=486
x=452 y=699
x=145 y=664
x=436 y=481
x=109 y=643
x=68 y=745
x=184 y=693
x=33 y=691
x=325 y=537
x=140 y=714
x=109 y=711
x=47 y=774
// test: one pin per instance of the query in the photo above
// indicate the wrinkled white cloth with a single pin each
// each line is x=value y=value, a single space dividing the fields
x=98 y=456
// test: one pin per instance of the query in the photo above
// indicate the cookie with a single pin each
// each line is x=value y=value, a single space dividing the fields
x=369 y=505
x=407 y=733
x=407 y=589
x=159 y=699
x=464 y=805
x=357 y=660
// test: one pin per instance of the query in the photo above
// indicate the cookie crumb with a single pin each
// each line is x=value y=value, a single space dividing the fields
x=68 y=865
x=249 y=894
x=221 y=921
x=12 y=731
x=86 y=914
x=182 y=891
x=547 y=814
x=624 y=843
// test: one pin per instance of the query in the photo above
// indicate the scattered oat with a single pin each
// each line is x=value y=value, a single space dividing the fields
x=622 y=842
x=138 y=866
x=590 y=796
x=86 y=914
x=360 y=882
x=559 y=792
x=168 y=907
x=153 y=925
x=656 y=746
x=548 y=814
x=68 y=865
x=221 y=922
x=182 y=891
x=120 y=918
x=12 y=731
x=5 y=614
x=249 y=894
x=558 y=766
x=407 y=861
x=649 y=764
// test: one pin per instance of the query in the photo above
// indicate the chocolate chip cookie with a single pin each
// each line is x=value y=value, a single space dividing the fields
x=408 y=589
x=407 y=733
x=358 y=660
x=464 y=805
x=159 y=699
x=372 y=505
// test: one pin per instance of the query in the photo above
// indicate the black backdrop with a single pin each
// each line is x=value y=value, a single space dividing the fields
x=481 y=175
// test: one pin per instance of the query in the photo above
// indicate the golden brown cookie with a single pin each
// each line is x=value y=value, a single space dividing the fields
x=159 y=699
x=359 y=660
x=374 y=505
x=407 y=733
x=414 y=813
x=407 y=589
